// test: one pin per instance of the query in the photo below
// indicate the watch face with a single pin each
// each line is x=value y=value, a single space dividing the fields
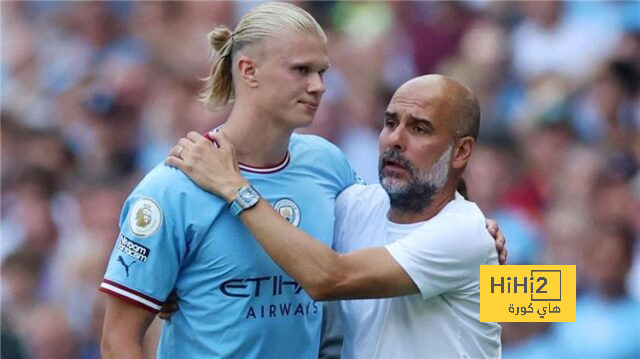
x=247 y=196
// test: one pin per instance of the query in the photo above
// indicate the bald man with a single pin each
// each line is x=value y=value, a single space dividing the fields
x=412 y=240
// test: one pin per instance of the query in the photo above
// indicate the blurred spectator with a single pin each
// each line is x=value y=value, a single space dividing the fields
x=613 y=198
x=608 y=325
x=609 y=108
x=436 y=29
x=489 y=176
x=543 y=149
x=49 y=335
x=21 y=273
x=480 y=65
x=550 y=41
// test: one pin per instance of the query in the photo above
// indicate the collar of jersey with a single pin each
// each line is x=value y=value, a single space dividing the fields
x=263 y=170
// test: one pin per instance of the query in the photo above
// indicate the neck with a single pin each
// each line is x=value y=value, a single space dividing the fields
x=446 y=195
x=259 y=141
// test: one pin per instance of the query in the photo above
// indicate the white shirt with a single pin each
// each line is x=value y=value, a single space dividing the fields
x=443 y=257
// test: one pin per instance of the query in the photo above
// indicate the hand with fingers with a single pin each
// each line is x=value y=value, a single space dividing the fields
x=501 y=241
x=215 y=169
x=169 y=307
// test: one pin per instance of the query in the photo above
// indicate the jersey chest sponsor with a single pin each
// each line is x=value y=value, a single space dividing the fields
x=280 y=297
x=276 y=285
x=284 y=309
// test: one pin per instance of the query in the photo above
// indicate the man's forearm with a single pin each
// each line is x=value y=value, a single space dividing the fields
x=126 y=348
x=323 y=273
x=306 y=259
x=124 y=329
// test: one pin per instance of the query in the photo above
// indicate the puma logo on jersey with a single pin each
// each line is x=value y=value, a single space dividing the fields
x=126 y=266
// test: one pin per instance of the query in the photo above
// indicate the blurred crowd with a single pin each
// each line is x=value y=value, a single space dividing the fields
x=95 y=93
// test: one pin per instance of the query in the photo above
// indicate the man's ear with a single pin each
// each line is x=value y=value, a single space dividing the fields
x=462 y=151
x=247 y=71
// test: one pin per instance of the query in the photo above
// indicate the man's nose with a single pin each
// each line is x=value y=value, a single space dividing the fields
x=316 y=84
x=396 y=139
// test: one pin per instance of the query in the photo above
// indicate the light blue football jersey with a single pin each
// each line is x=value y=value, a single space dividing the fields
x=235 y=302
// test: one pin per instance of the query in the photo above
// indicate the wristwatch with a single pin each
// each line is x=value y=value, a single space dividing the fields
x=247 y=197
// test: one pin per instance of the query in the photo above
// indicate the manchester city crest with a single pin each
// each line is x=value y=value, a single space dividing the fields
x=289 y=210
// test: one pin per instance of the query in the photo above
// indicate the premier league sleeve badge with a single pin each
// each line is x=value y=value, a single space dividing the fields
x=145 y=217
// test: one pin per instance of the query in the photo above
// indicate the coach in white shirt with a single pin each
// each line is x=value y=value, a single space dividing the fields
x=412 y=240
x=442 y=257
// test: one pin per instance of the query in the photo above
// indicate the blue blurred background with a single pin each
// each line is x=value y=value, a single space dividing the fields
x=95 y=93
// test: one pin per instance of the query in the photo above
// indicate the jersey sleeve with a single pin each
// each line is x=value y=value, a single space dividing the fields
x=443 y=255
x=349 y=175
x=150 y=248
x=337 y=165
x=342 y=206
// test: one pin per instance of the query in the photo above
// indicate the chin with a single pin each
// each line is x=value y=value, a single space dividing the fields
x=393 y=184
x=306 y=123
x=300 y=121
x=394 y=178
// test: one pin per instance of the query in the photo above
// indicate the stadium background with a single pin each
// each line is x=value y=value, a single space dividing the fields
x=95 y=93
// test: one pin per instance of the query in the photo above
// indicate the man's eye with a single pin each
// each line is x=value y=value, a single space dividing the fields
x=302 y=70
x=389 y=123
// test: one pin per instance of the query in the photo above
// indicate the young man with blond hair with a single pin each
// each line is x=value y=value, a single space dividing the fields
x=235 y=302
